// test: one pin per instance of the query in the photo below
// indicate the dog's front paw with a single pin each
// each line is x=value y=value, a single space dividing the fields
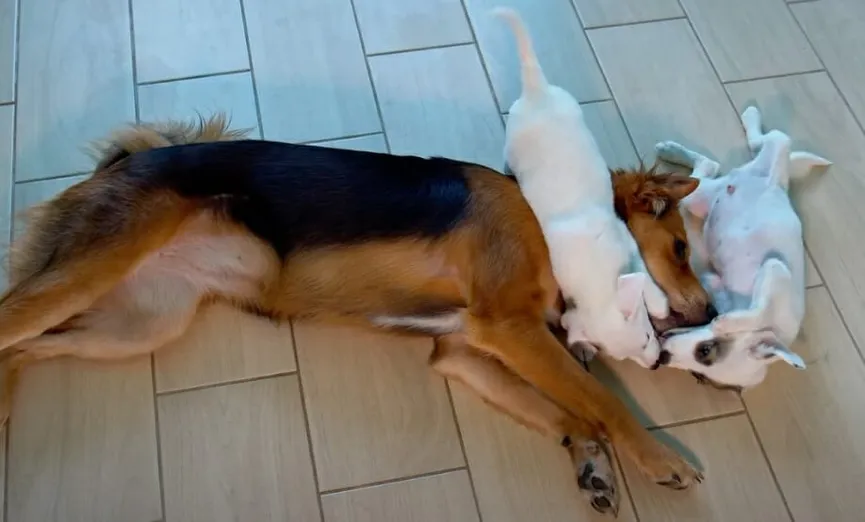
x=674 y=153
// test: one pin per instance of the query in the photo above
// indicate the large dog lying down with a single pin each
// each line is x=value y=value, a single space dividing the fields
x=117 y=266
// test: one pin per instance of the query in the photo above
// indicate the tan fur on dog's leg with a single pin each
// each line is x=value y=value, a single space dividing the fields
x=503 y=390
x=528 y=348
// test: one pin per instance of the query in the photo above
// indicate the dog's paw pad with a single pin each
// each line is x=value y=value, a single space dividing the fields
x=597 y=480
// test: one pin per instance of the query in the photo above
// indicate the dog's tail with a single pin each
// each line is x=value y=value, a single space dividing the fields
x=534 y=81
x=80 y=244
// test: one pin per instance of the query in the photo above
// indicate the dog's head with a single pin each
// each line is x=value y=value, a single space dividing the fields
x=628 y=330
x=648 y=202
x=723 y=359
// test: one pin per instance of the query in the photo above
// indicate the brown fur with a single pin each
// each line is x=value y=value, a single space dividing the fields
x=109 y=270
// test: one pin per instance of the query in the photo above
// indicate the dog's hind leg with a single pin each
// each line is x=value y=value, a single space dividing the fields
x=129 y=322
x=506 y=392
x=90 y=243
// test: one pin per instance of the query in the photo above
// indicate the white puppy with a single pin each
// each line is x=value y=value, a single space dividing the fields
x=752 y=238
x=566 y=181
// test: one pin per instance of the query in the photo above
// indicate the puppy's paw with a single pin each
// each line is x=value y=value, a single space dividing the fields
x=596 y=476
x=674 y=153
x=583 y=351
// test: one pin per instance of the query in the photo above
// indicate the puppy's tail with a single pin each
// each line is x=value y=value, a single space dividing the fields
x=534 y=81
x=83 y=242
x=804 y=163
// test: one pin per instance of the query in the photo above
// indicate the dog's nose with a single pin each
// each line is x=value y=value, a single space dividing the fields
x=711 y=312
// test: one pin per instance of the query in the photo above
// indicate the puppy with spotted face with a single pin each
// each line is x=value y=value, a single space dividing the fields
x=752 y=240
x=566 y=181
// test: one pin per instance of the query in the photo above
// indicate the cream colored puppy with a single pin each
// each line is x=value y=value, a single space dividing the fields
x=565 y=179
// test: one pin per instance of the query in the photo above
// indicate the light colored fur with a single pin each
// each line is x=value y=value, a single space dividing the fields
x=567 y=183
x=752 y=240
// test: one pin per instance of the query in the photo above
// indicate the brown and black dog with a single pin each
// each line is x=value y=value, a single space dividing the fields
x=176 y=216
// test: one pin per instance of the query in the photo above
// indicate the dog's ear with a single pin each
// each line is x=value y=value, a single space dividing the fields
x=677 y=186
x=630 y=294
x=663 y=193
x=771 y=349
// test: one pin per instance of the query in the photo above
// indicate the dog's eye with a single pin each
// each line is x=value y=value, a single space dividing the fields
x=680 y=248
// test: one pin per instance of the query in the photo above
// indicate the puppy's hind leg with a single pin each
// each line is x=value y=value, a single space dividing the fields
x=678 y=154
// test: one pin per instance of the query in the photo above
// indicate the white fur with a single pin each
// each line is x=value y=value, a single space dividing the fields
x=566 y=181
x=752 y=239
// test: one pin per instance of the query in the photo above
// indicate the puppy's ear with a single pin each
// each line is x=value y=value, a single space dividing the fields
x=630 y=294
x=663 y=193
x=771 y=349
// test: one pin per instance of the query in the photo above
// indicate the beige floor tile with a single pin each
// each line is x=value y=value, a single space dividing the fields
x=559 y=43
x=82 y=445
x=606 y=124
x=74 y=82
x=836 y=30
x=376 y=411
x=231 y=94
x=189 y=38
x=751 y=38
x=371 y=143
x=812 y=423
x=667 y=90
x=616 y=12
x=664 y=396
x=809 y=108
x=437 y=102
x=3 y=435
x=440 y=498
x=518 y=474
x=310 y=73
x=7 y=50
x=738 y=483
x=237 y=452
x=224 y=345
x=7 y=121
x=812 y=277
x=396 y=25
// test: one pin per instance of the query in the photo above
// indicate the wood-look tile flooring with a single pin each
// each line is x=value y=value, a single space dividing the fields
x=244 y=420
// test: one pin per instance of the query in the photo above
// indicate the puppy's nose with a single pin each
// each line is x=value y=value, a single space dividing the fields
x=663 y=359
x=711 y=312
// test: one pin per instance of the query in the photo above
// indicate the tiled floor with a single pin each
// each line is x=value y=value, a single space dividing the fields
x=247 y=421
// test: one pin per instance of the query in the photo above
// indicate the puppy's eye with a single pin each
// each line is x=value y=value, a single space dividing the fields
x=705 y=352
x=680 y=248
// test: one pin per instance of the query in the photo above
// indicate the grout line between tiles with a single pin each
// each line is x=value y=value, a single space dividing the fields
x=707 y=418
x=159 y=470
x=826 y=69
x=134 y=69
x=768 y=463
x=251 y=70
x=347 y=137
x=375 y=97
x=303 y=408
x=626 y=24
x=206 y=75
x=3 y=104
x=773 y=76
x=208 y=386
x=388 y=482
x=52 y=178
x=483 y=61
x=417 y=49
x=463 y=449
